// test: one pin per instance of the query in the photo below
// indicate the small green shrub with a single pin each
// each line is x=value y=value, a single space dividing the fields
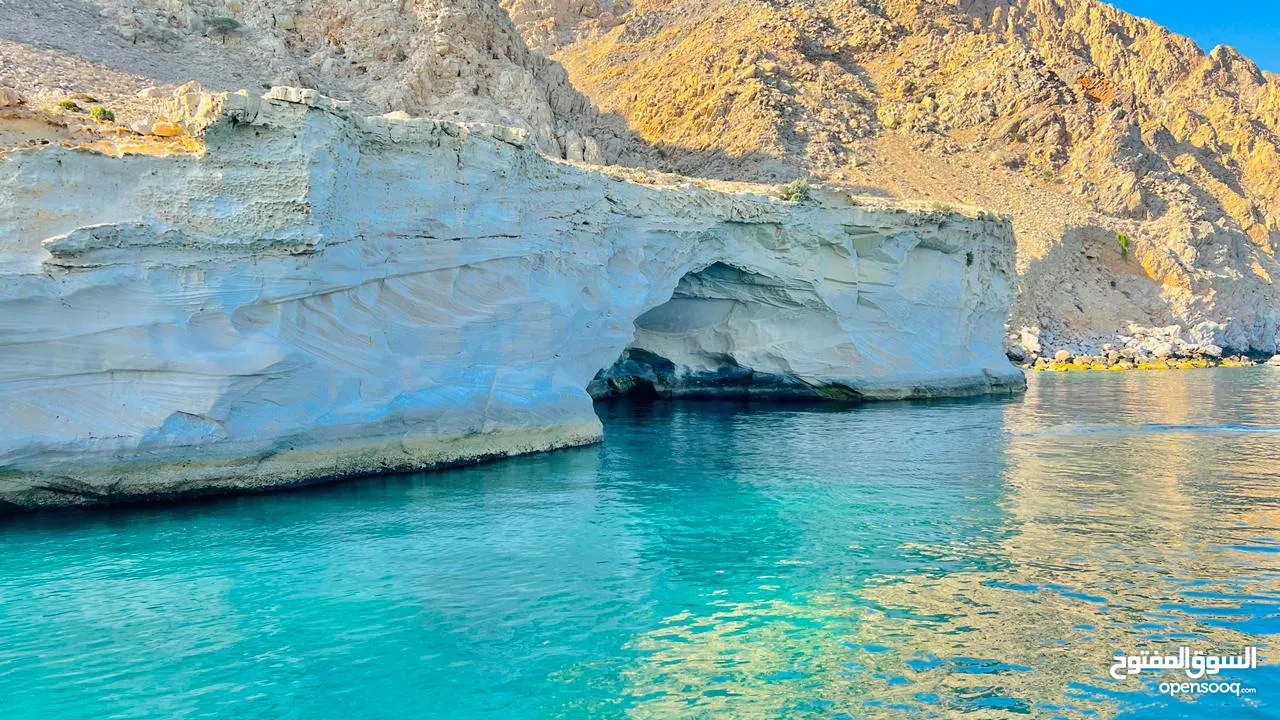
x=795 y=191
x=968 y=259
x=1123 y=241
x=941 y=207
x=70 y=105
x=102 y=114
x=222 y=27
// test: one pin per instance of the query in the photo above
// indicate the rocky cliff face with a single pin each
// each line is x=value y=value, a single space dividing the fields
x=318 y=295
x=1083 y=122
x=452 y=59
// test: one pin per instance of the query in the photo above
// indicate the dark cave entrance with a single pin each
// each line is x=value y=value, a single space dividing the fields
x=701 y=342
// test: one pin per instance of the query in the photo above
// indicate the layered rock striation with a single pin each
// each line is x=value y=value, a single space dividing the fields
x=319 y=295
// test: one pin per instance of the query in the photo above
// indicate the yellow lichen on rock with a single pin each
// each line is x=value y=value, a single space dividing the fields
x=1113 y=361
x=164 y=128
x=152 y=145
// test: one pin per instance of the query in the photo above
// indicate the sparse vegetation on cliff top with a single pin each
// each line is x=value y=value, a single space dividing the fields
x=795 y=191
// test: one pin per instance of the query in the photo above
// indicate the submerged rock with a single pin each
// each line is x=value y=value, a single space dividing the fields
x=319 y=295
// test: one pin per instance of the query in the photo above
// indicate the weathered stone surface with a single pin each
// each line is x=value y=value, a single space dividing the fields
x=458 y=59
x=1084 y=122
x=320 y=295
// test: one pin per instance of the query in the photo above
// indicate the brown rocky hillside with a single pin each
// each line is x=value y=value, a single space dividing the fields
x=459 y=59
x=1082 y=121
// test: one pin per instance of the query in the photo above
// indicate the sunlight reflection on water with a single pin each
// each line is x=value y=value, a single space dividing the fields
x=895 y=560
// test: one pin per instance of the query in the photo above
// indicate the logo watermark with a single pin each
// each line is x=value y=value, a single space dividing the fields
x=1196 y=665
x=1198 y=688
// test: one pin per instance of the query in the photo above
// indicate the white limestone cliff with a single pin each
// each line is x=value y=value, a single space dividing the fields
x=319 y=295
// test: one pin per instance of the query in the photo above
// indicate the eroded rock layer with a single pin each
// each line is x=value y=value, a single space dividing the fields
x=320 y=295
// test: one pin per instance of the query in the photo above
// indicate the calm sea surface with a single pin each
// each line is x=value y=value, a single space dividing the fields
x=980 y=558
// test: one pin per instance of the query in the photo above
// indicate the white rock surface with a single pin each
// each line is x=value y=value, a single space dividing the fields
x=321 y=295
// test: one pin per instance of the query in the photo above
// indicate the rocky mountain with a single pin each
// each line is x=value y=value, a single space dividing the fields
x=1141 y=172
x=454 y=59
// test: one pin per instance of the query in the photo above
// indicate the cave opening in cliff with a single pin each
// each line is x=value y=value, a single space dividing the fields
x=716 y=337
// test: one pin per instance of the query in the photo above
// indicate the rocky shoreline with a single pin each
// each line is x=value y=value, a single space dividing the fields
x=1143 y=348
x=1064 y=361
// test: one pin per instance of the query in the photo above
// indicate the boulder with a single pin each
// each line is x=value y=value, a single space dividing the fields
x=1029 y=338
x=1208 y=333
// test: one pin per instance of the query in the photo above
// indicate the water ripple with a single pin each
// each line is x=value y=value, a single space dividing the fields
x=902 y=560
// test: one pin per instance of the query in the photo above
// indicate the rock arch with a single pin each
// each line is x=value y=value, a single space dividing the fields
x=730 y=332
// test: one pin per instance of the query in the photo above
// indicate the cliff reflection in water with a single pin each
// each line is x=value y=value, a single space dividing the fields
x=1151 y=524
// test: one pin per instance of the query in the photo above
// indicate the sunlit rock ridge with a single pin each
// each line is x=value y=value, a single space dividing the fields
x=319 y=295
x=1083 y=122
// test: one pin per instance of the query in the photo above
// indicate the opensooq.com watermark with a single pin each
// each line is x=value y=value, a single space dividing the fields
x=1196 y=665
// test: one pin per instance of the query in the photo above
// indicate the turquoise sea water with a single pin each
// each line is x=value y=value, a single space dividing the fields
x=981 y=558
